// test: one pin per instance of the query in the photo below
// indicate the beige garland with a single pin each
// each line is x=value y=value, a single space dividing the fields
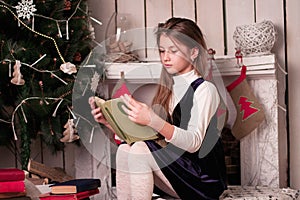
x=257 y=38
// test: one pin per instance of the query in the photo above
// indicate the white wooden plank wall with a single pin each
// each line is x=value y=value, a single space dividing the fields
x=218 y=20
x=210 y=20
x=186 y=10
x=156 y=11
x=265 y=10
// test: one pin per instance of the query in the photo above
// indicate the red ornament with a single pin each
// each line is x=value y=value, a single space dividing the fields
x=211 y=51
x=67 y=5
x=77 y=57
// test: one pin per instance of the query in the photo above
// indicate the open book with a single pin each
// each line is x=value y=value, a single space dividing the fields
x=126 y=129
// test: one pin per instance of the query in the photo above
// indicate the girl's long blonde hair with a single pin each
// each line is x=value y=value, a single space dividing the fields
x=181 y=31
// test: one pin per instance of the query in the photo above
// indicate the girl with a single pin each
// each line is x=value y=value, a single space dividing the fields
x=188 y=161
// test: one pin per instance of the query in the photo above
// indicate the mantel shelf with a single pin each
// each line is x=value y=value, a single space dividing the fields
x=258 y=67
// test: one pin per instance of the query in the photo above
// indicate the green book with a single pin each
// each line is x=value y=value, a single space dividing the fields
x=126 y=129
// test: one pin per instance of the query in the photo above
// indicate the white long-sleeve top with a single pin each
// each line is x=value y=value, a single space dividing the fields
x=205 y=103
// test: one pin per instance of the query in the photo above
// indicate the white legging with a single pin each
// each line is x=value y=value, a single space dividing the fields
x=137 y=172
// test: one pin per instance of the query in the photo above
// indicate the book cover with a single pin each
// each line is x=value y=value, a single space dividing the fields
x=11 y=174
x=126 y=129
x=10 y=195
x=75 y=186
x=18 y=198
x=12 y=186
x=80 y=195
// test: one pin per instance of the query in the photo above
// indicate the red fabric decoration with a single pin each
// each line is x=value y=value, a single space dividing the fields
x=119 y=90
x=249 y=111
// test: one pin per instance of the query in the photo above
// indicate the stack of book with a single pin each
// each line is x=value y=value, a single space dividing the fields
x=12 y=183
x=73 y=190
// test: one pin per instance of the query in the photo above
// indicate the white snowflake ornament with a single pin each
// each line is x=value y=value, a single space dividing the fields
x=25 y=9
x=94 y=83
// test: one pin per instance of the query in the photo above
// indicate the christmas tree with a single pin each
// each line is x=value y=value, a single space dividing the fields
x=43 y=44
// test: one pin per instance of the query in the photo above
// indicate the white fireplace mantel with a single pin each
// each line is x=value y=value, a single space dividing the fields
x=264 y=151
x=261 y=67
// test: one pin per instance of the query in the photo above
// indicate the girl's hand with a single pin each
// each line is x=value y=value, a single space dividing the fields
x=137 y=112
x=140 y=113
x=96 y=112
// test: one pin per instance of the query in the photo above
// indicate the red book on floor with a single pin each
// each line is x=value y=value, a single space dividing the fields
x=12 y=186
x=76 y=196
x=11 y=174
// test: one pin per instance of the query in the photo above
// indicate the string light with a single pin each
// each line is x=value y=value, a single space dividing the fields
x=24 y=116
x=40 y=98
x=54 y=113
x=72 y=113
x=92 y=135
x=38 y=70
x=95 y=20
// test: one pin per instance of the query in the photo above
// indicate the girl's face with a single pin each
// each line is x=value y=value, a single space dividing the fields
x=175 y=58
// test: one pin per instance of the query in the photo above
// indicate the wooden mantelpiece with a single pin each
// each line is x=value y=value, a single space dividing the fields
x=261 y=66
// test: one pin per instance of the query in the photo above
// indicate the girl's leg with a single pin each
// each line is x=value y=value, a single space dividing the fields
x=122 y=175
x=141 y=175
x=137 y=172
x=145 y=173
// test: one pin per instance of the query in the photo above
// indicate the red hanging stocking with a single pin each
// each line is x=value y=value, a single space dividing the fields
x=249 y=111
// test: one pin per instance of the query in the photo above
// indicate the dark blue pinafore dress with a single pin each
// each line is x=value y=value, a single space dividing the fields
x=195 y=175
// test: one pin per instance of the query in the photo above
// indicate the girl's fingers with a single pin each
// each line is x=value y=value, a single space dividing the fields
x=126 y=100
x=95 y=111
x=92 y=102
x=98 y=116
x=126 y=110
x=131 y=103
x=129 y=112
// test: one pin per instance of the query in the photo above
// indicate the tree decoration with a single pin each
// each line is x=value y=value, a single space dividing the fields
x=95 y=81
x=70 y=134
x=77 y=57
x=67 y=4
x=68 y=68
x=25 y=9
x=17 y=76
